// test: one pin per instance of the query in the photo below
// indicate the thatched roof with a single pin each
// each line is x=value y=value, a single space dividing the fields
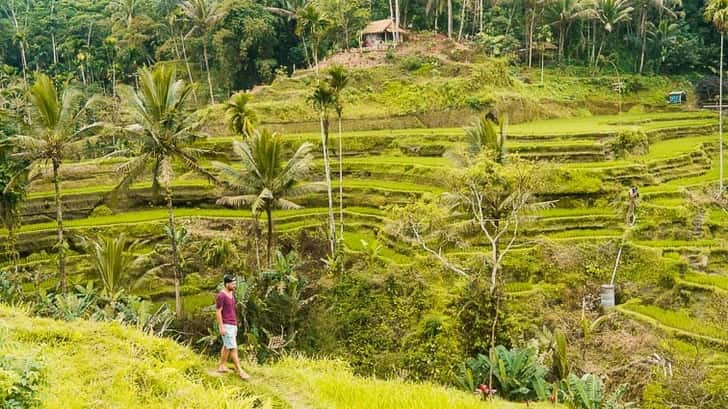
x=382 y=26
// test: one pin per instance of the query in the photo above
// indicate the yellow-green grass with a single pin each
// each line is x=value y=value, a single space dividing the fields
x=353 y=242
x=106 y=365
x=708 y=281
x=160 y=215
x=585 y=234
x=610 y=123
x=113 y=366
x=94 y=189
x=679 y=320
x=331 y=384
x=557 y=212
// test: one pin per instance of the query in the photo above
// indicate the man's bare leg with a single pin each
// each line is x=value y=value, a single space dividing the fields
x=243 y=375
x=223 y=360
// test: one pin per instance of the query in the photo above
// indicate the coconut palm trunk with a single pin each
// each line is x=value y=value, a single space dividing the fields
x=269 y=215
x=327 y=172
x=643 y=34
x=175 y=255
x=449 y=18
x=187 y=65
x=59 y=224
x=720 y=117
x=341 y=182
x=207 y=68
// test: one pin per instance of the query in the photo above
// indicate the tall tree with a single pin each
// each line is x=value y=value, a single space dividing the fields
x=59 y=125
x=562 y=14
x=716 y=11
x=162 y=128
x=13 y=184
x=266 y=178
x=611 y=14
x=323 y=100
x=312 y=22
x=12 y=10
x=338 y=80
x=204 y=15
x=661 y=6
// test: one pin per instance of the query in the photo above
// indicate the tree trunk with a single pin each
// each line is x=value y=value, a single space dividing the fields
x=59 y=223
x=11 y=248
x=187 y=65
x=480 y=17
x=327 y=172
x=396 y=21
x=494 y=269
x=449 y=18
x=462 y=20
x=269 y=214
x=53 y=34
x=305 y=50
x=531 y=24
x=341 y=183
x=643 y=34
x=562 y=34
x=175 y=256
x=207 y=68
x=720 y=120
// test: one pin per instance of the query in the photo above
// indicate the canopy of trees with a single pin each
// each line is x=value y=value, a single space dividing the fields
x=246 y=42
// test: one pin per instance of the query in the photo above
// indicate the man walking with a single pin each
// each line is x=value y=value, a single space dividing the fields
x=227 y=321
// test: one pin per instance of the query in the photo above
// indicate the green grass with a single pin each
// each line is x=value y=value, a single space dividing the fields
x=160 y=215
x=113 y=366
x=109 y=366
x=712 y=280
x=605 y=124
x=330 y=384
x=680 y=320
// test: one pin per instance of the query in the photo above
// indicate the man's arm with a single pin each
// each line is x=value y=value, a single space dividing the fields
x=218 y=316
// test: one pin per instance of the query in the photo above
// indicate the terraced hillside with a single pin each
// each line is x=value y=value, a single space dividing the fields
x=385 y=167
x=678 y=245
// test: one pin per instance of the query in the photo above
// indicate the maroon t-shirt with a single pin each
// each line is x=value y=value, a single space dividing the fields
x=227 y=305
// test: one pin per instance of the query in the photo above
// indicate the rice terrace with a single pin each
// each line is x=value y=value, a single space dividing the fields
x=348 y=204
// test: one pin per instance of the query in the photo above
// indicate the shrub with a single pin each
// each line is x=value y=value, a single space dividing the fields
x=517 y=373
x=477 y=309
x=631 y=142
x=100 y=211
x=20 y=380
x=589 y=392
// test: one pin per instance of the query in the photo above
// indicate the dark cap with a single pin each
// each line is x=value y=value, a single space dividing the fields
x=228 y=278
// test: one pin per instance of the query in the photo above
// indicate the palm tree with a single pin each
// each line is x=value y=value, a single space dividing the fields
x=662 y=6
x=563 y=13
x=266 y=178
x=57 y=132
x=322 y=100
x=112 y=257
x=162 y=127
x=662 y=37
x=239 y=116
x=611 y=13
x=124 y=10
x=483 y=134
x=338 y=80
x=204 y=14
x=310 y=20
x=716 y=11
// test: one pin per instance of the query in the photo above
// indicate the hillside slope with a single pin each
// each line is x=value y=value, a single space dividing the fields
x=82 y=364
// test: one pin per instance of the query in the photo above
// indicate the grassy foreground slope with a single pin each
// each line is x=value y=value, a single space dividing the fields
x=86 y=364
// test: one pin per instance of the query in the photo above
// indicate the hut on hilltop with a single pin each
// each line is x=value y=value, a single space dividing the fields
x=377 y=33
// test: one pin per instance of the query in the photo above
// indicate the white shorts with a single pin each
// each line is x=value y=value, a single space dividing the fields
x=230 y=339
